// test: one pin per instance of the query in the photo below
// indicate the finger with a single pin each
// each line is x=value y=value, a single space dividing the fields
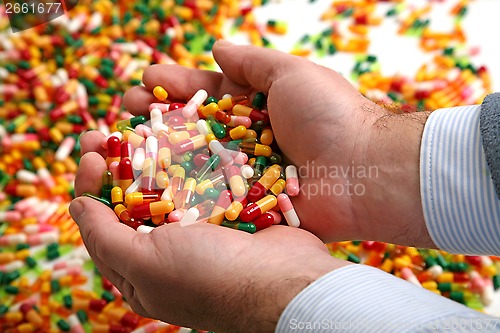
x=137 y=99
x=91 y=141
x=182 y=83
x=116 y=245
x=254 y=66
x=89 y=174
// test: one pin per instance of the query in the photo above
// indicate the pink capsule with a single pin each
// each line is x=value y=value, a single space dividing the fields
x=240 y=120
x=194 y=103
x=286 y=207
x=65 y=148
x=37 y=228
x=408 y=275
x=10 y=216
x=161 y=106
x=292 y=181
x=43 y=238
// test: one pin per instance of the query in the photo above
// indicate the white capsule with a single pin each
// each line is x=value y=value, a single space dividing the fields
x=202 y=127
x=134 y=187
x=194 y=103
x=26 y=176
x=167 y=194
x=12 y=266
x=46 y=178
x=151 y=147
x=156 y=118
x=190 y=217
x=435 y=270
x=159 y=127
x=65 y=148
x=247 y=171
x=217 y=148
x=139 y=158
x=95 y=21
x=288 y=211
x=13 y=239
x=144 y=229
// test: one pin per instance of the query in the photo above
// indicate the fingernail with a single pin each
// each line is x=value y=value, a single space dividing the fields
x=76 y=209
x=224 y=43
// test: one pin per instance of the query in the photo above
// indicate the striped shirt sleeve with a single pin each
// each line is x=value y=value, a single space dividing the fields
x=459 y=200
x=359 y=298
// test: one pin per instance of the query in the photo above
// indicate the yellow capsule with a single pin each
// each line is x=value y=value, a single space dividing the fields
x=56 y=135
x=445 y=277
x=160 y=93
x=13 y=317
x=267 y=136
x=387 y=265
x=249 y=134
x=116 y=195
x=430 y=285
x=210 y=137
x=278 y=187
x=210 y=109
x=238 y=132
x=162 y=179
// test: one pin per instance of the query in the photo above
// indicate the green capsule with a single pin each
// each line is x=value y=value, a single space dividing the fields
x=441 y=261
x=63 y=325
x=13 y=290
x=68 y=301
x=188 y=166
x=457 y=296
x=101 y=200
x=130 y=124
x=31 y=262
x=211 y=194
x=216 y=127
x=496 y=282
x=11 y=276
x=82 y=316
x=259 y=101
x=211 y=99
x=208 y=167
x=458 y=266
x=55 y=286
x=247 y=227
x=107 y=296
x=353 y=258
x=3 y=309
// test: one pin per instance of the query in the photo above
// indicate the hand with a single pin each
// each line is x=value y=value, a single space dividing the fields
x=359 y=179
x=202 y=276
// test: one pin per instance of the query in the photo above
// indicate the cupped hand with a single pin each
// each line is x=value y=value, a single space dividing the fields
x=202 y=276
x=321 y=124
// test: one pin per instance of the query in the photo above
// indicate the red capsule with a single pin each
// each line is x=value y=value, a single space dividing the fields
x=264 y=221
x=113 y=150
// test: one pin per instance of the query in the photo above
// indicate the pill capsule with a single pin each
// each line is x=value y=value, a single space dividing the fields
x=194 y=103
x=240 y=120
x=131 y=123
x=222 y=117
x=264 y=221
x=124 y=216
x=208 y=167
x=255 y=209
x=114 y=168
x=255 y=149
x=160 y=93
x=187 y=193
x=162 y=179
x=138 y=198
x=191 y=144
x=278 y=187
x=65 y=148
x=177 y=180
x=138 y=159
x=288 y=211
x=126 y=173
x=217 y=129
x=107 y=185
x=255 y=115
x=236 y=182
x=238 y=132
x=222 y=203
x=21 y=190
x=235 y=208
x=135 y=139
x=266 y=136
x=190 y=217
x=31 y=315
x=408 y=275
x=210 y=109
x=259 y=188
x=229 y=102
x=149 y=209
x=292 y=181
x=116 y=195
x=247 y=227
x=216 y=179
x=217 y=148
x=148 y=183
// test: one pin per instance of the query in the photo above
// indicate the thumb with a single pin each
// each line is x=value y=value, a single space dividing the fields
x=105 y=237
x=254 y=66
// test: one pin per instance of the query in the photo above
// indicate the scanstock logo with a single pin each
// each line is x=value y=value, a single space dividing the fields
x=26 y=14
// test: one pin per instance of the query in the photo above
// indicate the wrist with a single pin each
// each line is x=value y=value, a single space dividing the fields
x=392 y=202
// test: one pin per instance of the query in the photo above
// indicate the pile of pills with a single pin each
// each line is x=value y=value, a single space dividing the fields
x=68 y=76
x=207 y=160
